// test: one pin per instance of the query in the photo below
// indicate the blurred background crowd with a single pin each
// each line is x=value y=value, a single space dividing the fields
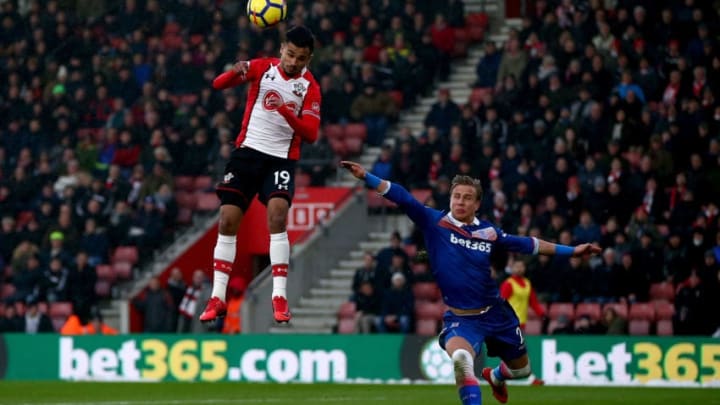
x=596 y=121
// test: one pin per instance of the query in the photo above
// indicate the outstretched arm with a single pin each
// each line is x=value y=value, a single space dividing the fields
x=233 y=77
x=549 y=248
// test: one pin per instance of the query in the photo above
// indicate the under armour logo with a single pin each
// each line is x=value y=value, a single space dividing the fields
x=268 y=76
x=282 y=187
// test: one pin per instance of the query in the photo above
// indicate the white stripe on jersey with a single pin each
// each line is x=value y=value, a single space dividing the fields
x=267 y=130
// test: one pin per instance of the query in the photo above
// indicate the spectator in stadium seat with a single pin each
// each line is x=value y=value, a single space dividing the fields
x=513 y=60
x=368 y=304
x=53 y=285
x=586 y=231
x=443 y=114
x=612 y=323
x=397 y=307
x=488 y=65
x=367 y=273
x=176 y=287
x=692 y=312
x=11 y=322
x=375 y=109
x=35 y=321
x=191 y=305
x=317 y=160
x=156 y=305
x=632 y=281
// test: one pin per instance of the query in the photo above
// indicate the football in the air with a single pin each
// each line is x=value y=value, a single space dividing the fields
x=266 y=13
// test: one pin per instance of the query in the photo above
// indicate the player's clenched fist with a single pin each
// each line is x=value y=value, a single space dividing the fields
x=586 y=248
x=241 y=67
x=355 y=169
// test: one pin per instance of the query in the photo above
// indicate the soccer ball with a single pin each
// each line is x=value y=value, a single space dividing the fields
x=266 y=13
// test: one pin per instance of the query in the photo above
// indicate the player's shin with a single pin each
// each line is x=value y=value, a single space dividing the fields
x=223 y=258
x=467 y=384
x=279 y=259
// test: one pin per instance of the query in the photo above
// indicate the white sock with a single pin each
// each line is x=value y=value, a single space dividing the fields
x=279 y=259
x=463 y=364
x=223 y=258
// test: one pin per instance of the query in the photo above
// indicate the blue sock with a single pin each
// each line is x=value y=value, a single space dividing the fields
x=498 y=374
x=470 y=395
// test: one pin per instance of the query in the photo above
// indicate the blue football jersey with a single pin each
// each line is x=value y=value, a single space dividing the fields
x=460 y=253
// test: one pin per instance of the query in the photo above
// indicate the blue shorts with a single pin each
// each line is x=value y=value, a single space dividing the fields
x=499 y=328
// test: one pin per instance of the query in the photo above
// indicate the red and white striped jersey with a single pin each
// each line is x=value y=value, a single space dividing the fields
x=263 y=128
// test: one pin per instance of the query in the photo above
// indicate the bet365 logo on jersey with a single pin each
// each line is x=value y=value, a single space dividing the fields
x=471 y=244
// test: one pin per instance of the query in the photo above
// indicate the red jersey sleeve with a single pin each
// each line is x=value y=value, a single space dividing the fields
x=535 y=304
x=505 y=290
x=231 y=78
x=307 y=124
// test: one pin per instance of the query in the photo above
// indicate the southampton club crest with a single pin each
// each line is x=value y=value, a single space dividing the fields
x=299 y=89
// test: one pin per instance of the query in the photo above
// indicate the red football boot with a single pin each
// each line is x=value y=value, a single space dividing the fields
x=215 y=308
x=499 y=391
x=281 y=310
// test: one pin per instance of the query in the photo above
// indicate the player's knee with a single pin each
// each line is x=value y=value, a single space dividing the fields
x=277 y=220
x=521 y=372
x=463 y=364
x=228 y=224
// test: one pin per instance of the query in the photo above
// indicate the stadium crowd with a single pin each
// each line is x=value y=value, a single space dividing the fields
x=596 y=121
x=105 y=105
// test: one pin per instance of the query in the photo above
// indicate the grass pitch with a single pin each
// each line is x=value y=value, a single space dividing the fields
x=63 y=393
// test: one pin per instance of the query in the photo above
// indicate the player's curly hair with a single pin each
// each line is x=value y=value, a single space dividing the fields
x=467 y=181
x=301 y=37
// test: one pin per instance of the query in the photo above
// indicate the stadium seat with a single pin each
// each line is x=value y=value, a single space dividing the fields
x=123 y=270
x=7 y=290
x=639 y=327
x=664 y=327
x=591 y=309
x=171 y=27
x=620 y=307
x=43 y=307
x=397 y=97
x=426 y=327
x=429 y=310
x=334 y=131
x=105 y=272
x=476 y=33
x=664 y=290
x=421 y=194
x=184 y=183
x=346 y=326
x=664 y=310
x=203 y=183
x=554 y=324
x=347 y=310
x=533 y=327
x=562 y=308
x=184 y=216
x=102 y=288
x=302 y=180
x=207 y=202
x=60 y=309
x=125 y=254
x=426 y=291
x=358 y=131
x=20 y=308
x=2 y=307
x=353 y=146
x=477 y=19
x=338 y=146
x=642 y=310
x=186 y=199
x=58 y=323
x=461 y=42
x=533 y=315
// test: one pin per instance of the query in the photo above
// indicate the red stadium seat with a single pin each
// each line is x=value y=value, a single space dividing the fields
x=2 y=307
x=426 y=291
x=20 y=308
x=123 y=270
x=60 y=309
x=477 y=19
x=338 y=146
x=102 y=288
x=354 y=145
x=358 y=131
x=533 y=315
x=397 y=97
x=347 y=310
x=533 y=327
x=664 y=290
x=639 y=327
x=664 y=310
x=411 y=250
x=184 y=183
x=562 y=308
x=302 y=180
x=207 y=202
x=620 y=307
x=429 y=310
x=7 y=290
x=184 y=216
x=593 y=310
x=171 y=27
x=105 y=272
x=186 y=199
x=346 y=326
x=43 y=307
x=664 y=327
x=334 y=131
x=426 y=327
x=642 y=310
x=476 y=33
x=125 y=254
x=203 y=183
x=421 y=194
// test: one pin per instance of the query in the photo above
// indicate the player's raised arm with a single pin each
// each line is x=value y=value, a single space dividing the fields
x=549 y=248
x=233 y=77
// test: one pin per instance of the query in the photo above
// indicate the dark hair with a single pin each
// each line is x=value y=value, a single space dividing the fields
x=467 y=181
x=301 y=37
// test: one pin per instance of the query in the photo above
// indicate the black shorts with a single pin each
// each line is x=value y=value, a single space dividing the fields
x=250 y=172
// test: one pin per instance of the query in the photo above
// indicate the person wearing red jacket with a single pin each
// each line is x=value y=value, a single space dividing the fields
x=283 y=110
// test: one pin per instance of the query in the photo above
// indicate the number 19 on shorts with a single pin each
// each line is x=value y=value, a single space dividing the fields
x=282 y=178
